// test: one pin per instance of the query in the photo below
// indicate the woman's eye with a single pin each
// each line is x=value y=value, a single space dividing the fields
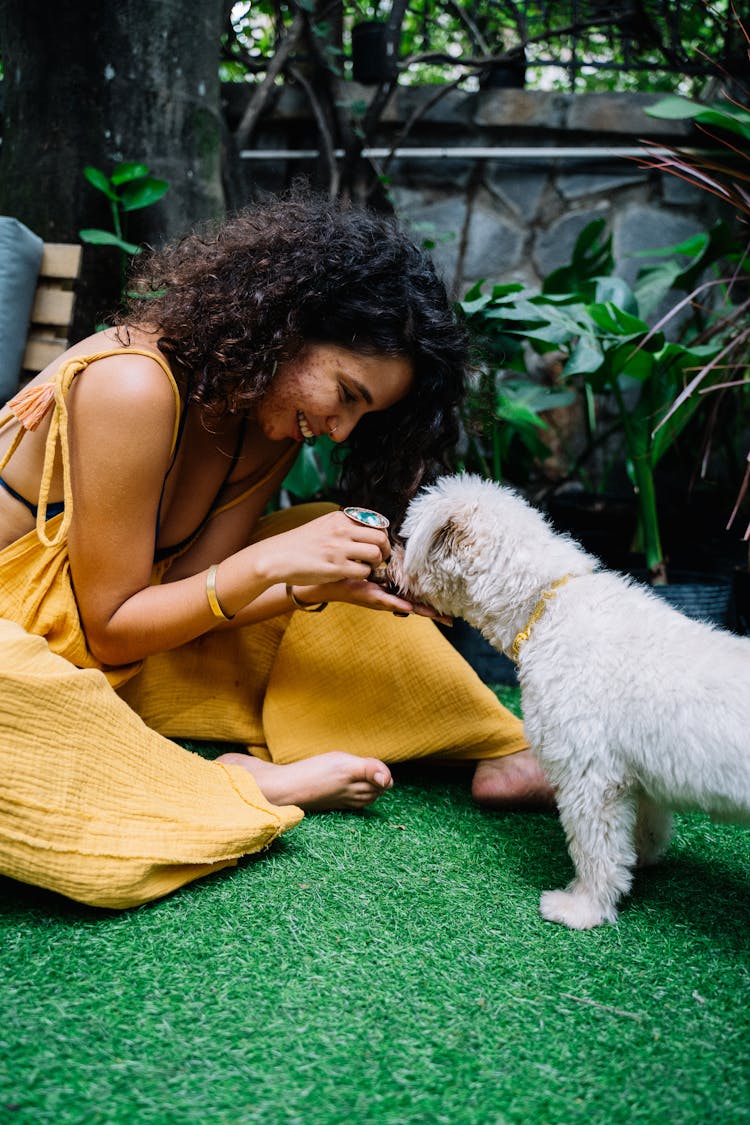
x=347 y=394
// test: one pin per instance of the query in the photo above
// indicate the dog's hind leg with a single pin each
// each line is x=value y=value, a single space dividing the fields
x=653 y=831
x=598 y=817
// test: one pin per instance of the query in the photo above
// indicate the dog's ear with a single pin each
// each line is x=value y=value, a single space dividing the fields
x=453 y=537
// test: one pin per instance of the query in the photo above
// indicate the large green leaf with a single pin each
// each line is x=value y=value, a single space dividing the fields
x=616 y=291
x=474 y=303
x=98 y=180
x=615 y=321
x=636 y=363
x=591 y=258
x=107 y=238
x=314 y=470
x=680 y=356
x=473 y=294
x=586 y=358
x=734 y=121
x=655 y=439
x=653 y=284
x=545 y=333
x=568 y=319
x=125 y=172
x=735 y=118
x=674 y=108
x=517 y=413
x=520 y=310
x=674 y=363
x=500 y=292
x=142 y=193
x=705 y=249
x=522 y=400
x=695 y=244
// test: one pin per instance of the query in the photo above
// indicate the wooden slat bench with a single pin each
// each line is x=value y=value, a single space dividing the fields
x=52 y=311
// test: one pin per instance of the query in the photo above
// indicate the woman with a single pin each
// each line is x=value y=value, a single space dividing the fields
x=144 y=596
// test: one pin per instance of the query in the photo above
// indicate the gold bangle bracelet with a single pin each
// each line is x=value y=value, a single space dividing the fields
x=318 y=607
x=213 y=601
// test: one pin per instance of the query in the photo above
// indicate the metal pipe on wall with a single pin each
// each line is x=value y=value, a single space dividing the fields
x=469 y=153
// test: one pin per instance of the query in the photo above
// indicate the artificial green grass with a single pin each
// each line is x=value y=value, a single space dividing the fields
x=388 y=967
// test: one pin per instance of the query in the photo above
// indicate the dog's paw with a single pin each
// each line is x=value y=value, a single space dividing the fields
x=576 y=910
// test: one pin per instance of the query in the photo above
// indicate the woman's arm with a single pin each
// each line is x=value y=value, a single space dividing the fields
x=229 y=532
x=327 y=559
x=122 y=417
x=121 y=424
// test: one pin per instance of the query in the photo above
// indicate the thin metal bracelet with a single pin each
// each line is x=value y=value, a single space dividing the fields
x=318 y=607
x=213 y=601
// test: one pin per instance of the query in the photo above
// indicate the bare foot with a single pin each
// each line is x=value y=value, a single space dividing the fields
x=513 y=782
x=327 y=781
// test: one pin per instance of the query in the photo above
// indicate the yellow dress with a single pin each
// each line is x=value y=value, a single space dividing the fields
x=99 y=804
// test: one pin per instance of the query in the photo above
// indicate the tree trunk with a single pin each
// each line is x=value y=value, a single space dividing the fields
x=96 y=83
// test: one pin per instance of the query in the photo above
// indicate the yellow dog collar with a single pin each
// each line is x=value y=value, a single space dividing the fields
x=536 y=613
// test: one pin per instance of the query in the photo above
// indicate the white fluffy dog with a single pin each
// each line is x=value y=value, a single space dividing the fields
x=630 y=707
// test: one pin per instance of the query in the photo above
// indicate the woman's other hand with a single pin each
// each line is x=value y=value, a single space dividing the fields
x=369 y=595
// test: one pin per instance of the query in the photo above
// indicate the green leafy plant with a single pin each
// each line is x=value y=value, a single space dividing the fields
x=503 y=413
x=131 y=187
x=593 y=321
x=439 y=39
x=723 y=171
x=315 y=472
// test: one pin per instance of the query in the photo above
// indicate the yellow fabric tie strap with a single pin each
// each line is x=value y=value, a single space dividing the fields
x=32 y=404
x=536 y=613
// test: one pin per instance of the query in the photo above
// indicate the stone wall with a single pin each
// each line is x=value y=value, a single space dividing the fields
x=505 y=217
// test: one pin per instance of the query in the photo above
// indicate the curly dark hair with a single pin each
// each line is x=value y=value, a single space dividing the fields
x=232 y=301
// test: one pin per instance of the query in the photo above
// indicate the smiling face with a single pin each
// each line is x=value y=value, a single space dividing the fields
x=326 y=389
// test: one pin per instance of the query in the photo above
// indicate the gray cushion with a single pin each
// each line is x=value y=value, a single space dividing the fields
x=20 y=258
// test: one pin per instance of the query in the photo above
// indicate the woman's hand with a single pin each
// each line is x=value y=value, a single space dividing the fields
x=330 y=549
x=330 y=559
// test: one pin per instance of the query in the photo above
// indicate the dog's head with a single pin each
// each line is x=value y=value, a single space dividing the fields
x=476 y=549
x=441 y=540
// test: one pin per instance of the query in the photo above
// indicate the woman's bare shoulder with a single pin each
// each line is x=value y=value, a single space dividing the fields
x=123 y=380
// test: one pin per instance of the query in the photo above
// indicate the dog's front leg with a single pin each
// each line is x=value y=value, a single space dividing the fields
x=598 y=817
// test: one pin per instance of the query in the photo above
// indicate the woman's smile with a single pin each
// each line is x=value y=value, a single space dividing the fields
x=326 y=389
x=304 y=427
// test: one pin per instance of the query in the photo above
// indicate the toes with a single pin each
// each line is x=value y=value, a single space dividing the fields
x=362 y=793
x=377 y=773
x=336 y=780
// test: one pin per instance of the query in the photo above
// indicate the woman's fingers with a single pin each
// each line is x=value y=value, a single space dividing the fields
x=368 y=554
x=373 y=544
x=330 y=549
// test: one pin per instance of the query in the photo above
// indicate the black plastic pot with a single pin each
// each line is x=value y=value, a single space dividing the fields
x=371 y=61
x=507 y=75
x=741 y=601
x=603 y=524
x=704 y=597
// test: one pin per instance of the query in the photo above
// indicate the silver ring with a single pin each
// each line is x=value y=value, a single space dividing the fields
x=367 y=518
